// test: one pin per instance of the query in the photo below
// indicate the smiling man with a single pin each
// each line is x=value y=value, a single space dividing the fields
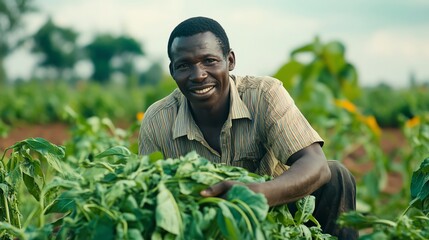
x=245 y=121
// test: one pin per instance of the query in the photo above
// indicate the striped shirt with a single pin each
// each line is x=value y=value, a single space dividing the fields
x=263 y=129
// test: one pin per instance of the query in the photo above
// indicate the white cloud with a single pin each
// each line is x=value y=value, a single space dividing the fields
x=397 y=43
x=390 y=55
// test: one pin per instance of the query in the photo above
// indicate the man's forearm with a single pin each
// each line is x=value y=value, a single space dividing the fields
x=309 y=172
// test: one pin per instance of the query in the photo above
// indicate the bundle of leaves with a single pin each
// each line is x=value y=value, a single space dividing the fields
x=147 y=197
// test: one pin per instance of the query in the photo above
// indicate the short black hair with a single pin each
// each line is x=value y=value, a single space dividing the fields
x=195 y=25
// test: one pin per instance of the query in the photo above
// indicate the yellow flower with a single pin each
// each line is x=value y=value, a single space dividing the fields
x=347 y=105
x=140 y=116
x=412 y=122
x=371 y=122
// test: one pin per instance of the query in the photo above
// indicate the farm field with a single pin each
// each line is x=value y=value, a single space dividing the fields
x=69 y=167
x=382 y=144
x=57 y=133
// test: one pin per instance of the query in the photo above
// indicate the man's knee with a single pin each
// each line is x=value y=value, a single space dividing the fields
x=341 y=177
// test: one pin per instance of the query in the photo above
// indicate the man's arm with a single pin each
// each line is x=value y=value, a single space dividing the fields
x=308 y=171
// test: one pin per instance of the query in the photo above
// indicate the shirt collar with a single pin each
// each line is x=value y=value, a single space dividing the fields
x=185 y=124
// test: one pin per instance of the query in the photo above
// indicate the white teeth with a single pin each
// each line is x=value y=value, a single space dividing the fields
x=202 y=91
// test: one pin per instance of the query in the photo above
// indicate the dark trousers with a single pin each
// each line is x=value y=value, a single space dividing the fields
x=332 y=199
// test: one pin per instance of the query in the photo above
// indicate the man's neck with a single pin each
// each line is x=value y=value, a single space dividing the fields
x=213 y=117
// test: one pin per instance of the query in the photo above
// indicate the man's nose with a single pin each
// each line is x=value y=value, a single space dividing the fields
x=198 y=73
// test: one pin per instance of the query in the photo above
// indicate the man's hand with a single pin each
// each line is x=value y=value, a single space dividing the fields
x=222 y=188
x=309 y=170
x=219 y=189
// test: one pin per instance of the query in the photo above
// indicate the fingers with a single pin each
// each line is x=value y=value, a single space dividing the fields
x=218 y=190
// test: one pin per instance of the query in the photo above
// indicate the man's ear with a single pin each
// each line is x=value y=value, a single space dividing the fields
x=170 y=67
x=231 y=60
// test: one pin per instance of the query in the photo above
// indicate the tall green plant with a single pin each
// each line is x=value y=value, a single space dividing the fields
x=31 y=163
x=327 y=66
x=413 y=223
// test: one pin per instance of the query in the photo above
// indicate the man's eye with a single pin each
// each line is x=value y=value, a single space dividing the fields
x=210 y=60
x=182 y=66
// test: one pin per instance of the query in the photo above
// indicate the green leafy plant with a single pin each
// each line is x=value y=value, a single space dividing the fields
x=413 y=223
x=31 y=162
x=140 y=197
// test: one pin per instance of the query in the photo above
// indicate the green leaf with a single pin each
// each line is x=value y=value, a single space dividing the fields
x=281 y=214
x=305 y=207
x=104 y=228
x=12 y=230
x=167 y=212
x=189 y=187
x=120 y=151
x=359 y=221
x=288 y=74
x=32 y=186
x=134 y=234
x=305 y=232
x=155 y=156
x=56 y=183
x=206 y=178
x=420 y=182
x=67 y=201
x=32 y=168
x=130 y=204
x=209 y=215
x=333 y=54
x=52 y=153
x=226 y=222
x=315 y=48
x=118 y=190
x=4 y=188
x=349 y=82
x=255 y=201
x=185 y=169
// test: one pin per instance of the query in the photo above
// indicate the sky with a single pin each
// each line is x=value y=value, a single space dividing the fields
x=386 y=40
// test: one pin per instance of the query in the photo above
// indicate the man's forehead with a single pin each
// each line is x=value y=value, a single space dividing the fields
x=199 y=41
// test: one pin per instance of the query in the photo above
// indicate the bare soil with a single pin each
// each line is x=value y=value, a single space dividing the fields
x=55 y=133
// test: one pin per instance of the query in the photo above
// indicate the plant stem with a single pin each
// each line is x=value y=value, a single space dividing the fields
x=19 y=217
x=6 y=208
x=41 y=216
x=385 y=222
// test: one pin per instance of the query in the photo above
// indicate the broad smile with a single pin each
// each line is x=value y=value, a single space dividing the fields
x=204 y=90
x=200 y=92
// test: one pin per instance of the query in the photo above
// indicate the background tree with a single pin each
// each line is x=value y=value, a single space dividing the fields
x=153 y=75
x=58 y=48
x=11 y=19
x=109 y=53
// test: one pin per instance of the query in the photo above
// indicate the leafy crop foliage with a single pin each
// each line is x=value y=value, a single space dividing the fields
x=412 y=224
x=120 y=195
x=48 y=99
x=390 y=105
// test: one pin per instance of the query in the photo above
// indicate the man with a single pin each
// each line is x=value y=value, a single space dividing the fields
x=249 y=122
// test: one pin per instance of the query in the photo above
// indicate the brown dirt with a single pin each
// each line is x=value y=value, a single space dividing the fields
x=55 y=133
x=392 y=140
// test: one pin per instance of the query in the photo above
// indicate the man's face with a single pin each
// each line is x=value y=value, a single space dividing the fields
x=200 y=69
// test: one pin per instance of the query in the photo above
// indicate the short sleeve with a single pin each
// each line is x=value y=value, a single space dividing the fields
x=286 y=130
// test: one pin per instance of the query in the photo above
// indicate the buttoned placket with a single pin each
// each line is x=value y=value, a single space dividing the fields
x=199 y=137
x=225 y=141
